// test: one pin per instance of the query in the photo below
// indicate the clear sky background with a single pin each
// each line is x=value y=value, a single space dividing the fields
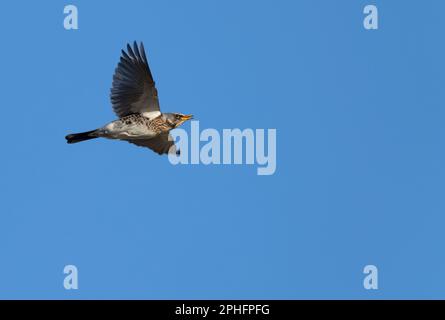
x=360 y=151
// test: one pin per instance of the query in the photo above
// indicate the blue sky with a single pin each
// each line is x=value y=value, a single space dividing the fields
x=360 y=158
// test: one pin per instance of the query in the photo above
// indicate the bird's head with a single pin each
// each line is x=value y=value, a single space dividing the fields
x=176 y=119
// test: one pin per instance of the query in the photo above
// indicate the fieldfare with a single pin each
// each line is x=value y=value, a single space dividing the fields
x=135 y=101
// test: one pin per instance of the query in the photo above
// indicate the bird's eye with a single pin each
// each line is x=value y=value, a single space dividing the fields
x=178 y=116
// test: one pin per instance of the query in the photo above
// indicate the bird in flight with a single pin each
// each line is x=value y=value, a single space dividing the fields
x=135 y=101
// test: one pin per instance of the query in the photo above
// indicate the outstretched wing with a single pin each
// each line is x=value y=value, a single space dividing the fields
x=160 y=144
x=133 y=89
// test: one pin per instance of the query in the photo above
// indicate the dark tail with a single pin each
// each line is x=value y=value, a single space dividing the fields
x=83 y=136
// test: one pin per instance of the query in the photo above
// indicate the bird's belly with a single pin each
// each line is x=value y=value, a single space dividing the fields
x=116 y=130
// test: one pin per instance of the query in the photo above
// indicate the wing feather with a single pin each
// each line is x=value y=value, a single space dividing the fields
x=162 y=144
x=133 y=89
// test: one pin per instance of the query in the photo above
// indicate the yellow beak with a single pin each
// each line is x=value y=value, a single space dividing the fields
x=186 y=117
